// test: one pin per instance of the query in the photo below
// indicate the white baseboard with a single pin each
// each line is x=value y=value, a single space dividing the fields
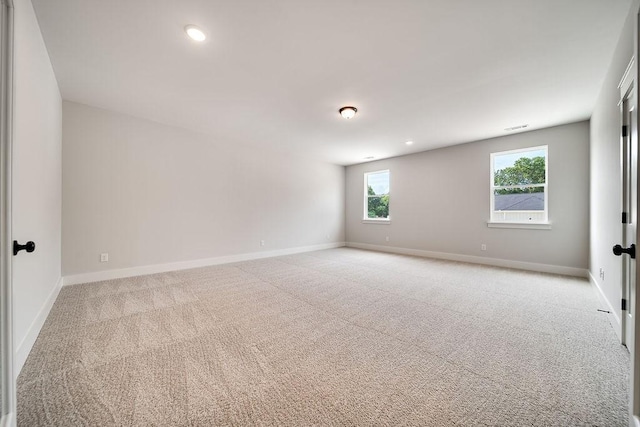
x=496 y=262
x=616 y=323
x=7 y=420
x=185 y=265
x=23 y=349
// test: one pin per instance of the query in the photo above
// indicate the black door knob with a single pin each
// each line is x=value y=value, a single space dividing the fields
x=17 y=247
x=619 y=250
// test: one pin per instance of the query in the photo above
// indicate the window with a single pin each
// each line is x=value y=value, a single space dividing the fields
x=376 y=196
x=519 y=186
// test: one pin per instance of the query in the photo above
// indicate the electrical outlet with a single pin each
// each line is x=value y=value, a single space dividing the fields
x=483 y=247
x=261 y=242
x=328 y=237
x=387 y=238
x=602 y=273
x=104 y=257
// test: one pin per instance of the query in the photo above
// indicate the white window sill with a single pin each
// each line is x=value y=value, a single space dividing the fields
x=377 y=221
x=529 y=225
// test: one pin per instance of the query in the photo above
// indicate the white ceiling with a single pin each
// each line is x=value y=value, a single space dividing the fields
x=274 y=73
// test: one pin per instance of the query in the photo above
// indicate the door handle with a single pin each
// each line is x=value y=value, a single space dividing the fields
x=619 y=250
x=17 y=247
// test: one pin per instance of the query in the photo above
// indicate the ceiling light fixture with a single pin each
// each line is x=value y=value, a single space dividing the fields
x=369 y=158
x=348 y=112
x=195 y=33
x=409 y=142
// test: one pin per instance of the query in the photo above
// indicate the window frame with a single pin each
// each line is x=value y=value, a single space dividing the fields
x=497 y=223
x=365 y=207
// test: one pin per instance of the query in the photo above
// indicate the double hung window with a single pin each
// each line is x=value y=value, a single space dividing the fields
x=519 y=180
x=376 y=196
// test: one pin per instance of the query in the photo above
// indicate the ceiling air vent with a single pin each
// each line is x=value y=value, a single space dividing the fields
x=516 y=128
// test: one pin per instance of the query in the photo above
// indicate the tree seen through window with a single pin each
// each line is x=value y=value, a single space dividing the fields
x=377 y=195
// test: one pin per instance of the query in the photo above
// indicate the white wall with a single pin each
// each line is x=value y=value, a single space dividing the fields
x=151 y=194
x=606 y=229
x=439 y=202
x=36 y=185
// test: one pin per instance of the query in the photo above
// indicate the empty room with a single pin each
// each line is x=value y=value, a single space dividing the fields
x=347 y=213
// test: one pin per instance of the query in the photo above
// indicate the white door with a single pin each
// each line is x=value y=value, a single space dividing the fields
x=629 y=162
x=631 y=325
x=7 y=383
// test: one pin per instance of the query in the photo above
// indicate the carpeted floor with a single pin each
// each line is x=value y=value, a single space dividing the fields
x=337 y=337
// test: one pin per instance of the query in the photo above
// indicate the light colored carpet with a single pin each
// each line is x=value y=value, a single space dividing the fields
x=337 y=337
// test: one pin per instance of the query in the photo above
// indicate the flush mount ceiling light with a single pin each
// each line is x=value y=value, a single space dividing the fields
x=409 y=142
x=195 y=33
x=348 y=112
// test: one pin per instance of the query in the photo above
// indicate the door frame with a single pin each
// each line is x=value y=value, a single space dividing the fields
x=7 y=380
x=627 y=105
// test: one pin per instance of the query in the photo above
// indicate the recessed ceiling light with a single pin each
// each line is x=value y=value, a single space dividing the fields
x=195 y=33
x=409 y=142
x=348 y=112
x=516 y=128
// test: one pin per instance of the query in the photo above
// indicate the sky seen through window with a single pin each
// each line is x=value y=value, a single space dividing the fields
x=379 y=182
